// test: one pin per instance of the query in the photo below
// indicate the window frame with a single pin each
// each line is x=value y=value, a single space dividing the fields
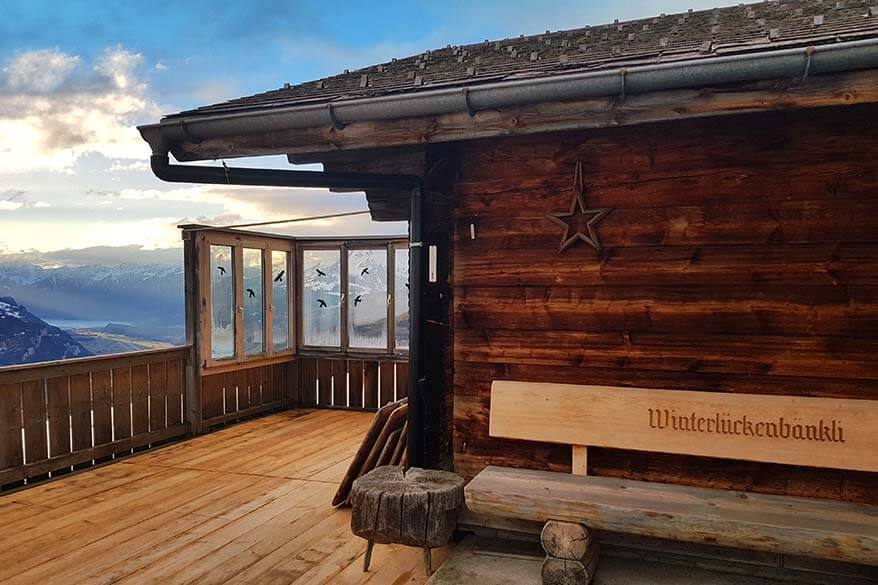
x=237 y=243
x=344 y=349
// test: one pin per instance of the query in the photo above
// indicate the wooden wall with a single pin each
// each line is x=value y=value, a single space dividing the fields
x=741 y=256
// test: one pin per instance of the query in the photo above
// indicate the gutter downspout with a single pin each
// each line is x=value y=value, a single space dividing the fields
x=783 y=63
x=165 y=171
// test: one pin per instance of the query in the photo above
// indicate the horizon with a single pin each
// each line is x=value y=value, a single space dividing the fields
x=76 y=79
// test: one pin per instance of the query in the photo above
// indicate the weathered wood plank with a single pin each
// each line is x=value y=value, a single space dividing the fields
x=370 y=384
x=387 y=383
x=355 y=380
x=121 y=402
x=80 y=411
x=102 y=401
x=11 y=453
x=339 y=382
x=140 y=399
x=324 y=381
x=803 y=526
x=58 y=415
x=308 y=381
x=174 y=393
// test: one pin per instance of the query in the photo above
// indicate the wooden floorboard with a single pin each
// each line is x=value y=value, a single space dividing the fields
x=246 y=504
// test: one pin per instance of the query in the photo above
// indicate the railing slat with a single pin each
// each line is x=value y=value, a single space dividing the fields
x=387 y=383
x=307 y=381
x=34 y=405
x=402 y=380
x=80 y=410
x=121 y=403
x=339 y=383
x=58 y=408
x=175 y=392
x=10 y=426
x=324 y=379
x=140 y=399
x=158 y=391
x=355 y=372
x=370 y=383
x=102 y=400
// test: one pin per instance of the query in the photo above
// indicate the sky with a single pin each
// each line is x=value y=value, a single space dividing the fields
x=77 y=76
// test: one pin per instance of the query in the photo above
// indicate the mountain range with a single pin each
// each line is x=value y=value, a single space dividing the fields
x=142 y=290
x=25 y=338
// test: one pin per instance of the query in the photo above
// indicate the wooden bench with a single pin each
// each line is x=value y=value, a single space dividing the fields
x=816 y=432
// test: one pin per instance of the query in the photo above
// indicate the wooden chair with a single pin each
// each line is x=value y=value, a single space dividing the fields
x=821 y=432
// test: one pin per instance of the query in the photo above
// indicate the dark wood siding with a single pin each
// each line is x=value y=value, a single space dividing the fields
x=741 y=256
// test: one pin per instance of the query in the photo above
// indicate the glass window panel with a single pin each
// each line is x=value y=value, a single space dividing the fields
x=254 y=302
x=222 y=303
x=401 y=297
x=321 y=297
x=280 y=298
x=367 y=298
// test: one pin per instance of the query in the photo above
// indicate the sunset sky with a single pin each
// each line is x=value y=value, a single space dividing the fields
x=76 y=77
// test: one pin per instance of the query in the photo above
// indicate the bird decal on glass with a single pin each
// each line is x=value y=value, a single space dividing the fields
x=320 y=272
x=322 y=303
x=252 y=293
x=364 y=271
x=280 y=276
x=221 y=269
x=358 y=300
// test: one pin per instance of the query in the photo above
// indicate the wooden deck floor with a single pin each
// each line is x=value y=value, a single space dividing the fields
x=247 y=504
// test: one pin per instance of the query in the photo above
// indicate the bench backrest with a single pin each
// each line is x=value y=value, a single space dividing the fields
x=815 y=432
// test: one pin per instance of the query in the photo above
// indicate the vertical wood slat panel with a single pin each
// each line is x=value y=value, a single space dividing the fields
x=307 y=379
x=324 y=379
x=370 y=384
x=231 y=384
x=80 y=410
x=266 y=379
x=402 y=380
x=122 y=403
x=140 y=399
x=102 y=397
x=34 y=405
x=355 y=381
x=58 y=411
x=175 y=392
x=339 y=382
x=11 y=454
x=387 y=383
x=253 y=396
x=158 y=389
x=211 y=395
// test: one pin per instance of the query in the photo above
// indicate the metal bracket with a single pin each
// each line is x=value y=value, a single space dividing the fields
x=469 y=108
x=622 y=73
x=336 y=123
x=808 y=52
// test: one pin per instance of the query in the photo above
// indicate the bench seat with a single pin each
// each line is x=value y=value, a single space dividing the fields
x=780 y=524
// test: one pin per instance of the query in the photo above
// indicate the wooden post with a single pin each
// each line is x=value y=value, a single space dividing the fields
x=580 y=460
x=191 y=274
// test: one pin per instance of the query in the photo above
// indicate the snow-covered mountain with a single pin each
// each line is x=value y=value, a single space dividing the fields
x=25 y=338
x=148 y=295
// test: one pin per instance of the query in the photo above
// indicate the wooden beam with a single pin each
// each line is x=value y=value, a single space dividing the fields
x=857 y=87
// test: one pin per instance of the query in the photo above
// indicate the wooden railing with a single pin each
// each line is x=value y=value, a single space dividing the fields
x=58 y=415
x=361 y=383
x=247 y=391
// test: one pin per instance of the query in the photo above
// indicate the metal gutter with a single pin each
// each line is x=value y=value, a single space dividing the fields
x=162 y=169
x=795 y=62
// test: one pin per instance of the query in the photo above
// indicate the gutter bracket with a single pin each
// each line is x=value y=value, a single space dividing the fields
x=622 y=73
x=808 y=52
x=469 y=107
x=336 y=123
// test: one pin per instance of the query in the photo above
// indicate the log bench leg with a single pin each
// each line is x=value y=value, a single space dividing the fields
x=370 y=544
x=428 y=561
x=571 y=553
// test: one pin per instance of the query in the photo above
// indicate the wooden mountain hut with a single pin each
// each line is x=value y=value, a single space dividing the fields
x=645 y=259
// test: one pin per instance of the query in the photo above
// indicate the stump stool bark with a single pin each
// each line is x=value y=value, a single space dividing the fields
x=414 y=507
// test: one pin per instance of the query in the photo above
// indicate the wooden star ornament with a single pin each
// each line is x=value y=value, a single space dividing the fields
x=567 y=220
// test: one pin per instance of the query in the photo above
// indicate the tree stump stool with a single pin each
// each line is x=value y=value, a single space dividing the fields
x=414 y=507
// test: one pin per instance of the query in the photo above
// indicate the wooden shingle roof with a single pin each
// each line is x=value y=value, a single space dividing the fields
x=691 y=35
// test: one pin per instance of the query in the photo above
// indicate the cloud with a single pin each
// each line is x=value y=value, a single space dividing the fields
x=55 y=109
x=14 y=199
